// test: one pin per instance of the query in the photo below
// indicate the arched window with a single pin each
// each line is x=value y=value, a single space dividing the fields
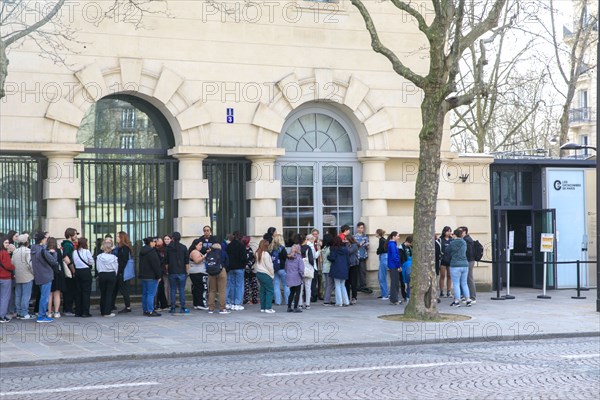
x=316 y=132
x=320 y=173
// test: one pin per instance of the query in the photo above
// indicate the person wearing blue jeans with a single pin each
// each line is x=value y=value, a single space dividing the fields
x=235 y=288
x=177 y=282
x=22 y=297
x=178 y=262
x=238 y=258
x=278 y=281
x=149 y=287
x=44 y=297
x=383 y=267
x=383 y=272
x=459 y=267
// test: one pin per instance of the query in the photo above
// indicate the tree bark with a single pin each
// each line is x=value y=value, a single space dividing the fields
x=423 y=285
x=3 y=68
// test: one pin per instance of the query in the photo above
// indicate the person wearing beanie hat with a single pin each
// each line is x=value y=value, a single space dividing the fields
x=23 y=277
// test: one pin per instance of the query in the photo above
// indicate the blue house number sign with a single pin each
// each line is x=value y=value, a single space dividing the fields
x=230 y=115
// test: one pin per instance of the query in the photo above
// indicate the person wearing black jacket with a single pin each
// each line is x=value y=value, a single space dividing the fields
x=150 y=273
x=236 y=252
x=178 y=264
x=124 y=252
x=207 y=239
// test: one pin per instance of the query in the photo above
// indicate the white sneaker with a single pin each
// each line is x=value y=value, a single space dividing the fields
x=109 y=315
x=27 y=316
x=229 y=307
x=237 y=307
x=385 y=298
x=56 y=315
x=270 y=311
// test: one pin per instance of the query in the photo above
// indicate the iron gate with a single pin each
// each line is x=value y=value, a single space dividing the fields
x=21 y=193
x=135 y=196
x=227 y=205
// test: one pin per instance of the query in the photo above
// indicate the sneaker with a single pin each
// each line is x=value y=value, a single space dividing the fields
x=455 y=304
x=353 y=302
x=448 y=294
x=307 y=307
x=225 y=311
x=125 y=310
x=56 y=315
x=290 y=309
x=228 y=306
x=473 y=301
x=211 y=311
x=469 y=303
x=44 y=319
x=239 y=307
x=184 y=310
x=18 y=317
x=172 y=310
x=158 y=309
x=297 y=310
x=69 y=314
x=154 y=314
x=385 y=298
x=4 y=320
x=262 y=310
x=201 y=308
x=109 y=315
x=270 y=311
x=327 y=304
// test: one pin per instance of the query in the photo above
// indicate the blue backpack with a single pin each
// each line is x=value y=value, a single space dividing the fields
x=276 y=260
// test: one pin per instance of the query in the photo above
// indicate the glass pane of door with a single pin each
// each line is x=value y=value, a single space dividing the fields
x=337 y=198
x=544 y=221
x=298 y=200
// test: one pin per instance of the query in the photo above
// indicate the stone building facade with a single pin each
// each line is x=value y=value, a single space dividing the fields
x=254 y=115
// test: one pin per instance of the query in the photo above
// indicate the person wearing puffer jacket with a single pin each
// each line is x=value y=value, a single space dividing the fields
x=339 y=270
x=44 y=265
x=294 y=277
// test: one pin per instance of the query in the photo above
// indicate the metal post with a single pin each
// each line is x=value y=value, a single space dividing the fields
x=507 y=296
x=543 y=295
x=578 y=282
x=498 y=283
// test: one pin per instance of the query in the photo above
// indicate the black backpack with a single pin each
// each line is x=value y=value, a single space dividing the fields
x=477 y=250
x=213 y=263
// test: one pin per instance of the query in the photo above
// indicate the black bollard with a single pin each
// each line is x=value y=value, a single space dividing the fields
x=578 y=284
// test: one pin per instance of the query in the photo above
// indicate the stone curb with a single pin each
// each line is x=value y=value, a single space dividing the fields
x=279 y=349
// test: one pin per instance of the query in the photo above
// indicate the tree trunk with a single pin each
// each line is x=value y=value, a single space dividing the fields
x=422 y=302
x=3 y=68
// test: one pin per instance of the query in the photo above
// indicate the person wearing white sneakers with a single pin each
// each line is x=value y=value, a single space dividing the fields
x=265 y=274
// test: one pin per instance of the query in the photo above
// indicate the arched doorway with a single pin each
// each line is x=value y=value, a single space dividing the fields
x=126 y=176
x=320 y=173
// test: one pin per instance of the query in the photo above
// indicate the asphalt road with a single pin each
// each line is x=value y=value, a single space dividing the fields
x=546 y=369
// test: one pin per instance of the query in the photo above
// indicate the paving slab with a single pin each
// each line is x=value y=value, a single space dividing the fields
x=136 y=336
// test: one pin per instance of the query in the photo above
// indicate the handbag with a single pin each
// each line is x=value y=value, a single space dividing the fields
x=309 y=271
x=129 y=272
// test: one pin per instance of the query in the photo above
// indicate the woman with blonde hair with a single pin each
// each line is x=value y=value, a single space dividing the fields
x=107 y=266
x=279 y=256
x=265 y=273
x=124 y=252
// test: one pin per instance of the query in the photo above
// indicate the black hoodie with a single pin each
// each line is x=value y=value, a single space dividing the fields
x=149 y=263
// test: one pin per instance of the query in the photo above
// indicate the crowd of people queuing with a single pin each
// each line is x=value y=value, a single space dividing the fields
x=224 y=276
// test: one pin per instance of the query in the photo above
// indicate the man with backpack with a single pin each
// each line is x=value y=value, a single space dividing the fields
x=217 y=278
x=471 y=250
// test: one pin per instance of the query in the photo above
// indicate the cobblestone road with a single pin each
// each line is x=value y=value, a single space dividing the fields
x=541 y=369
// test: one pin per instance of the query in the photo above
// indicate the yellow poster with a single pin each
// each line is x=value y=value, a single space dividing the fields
x=547 y=243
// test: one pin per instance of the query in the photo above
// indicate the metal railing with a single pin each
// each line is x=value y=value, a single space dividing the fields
x=580 y=114
x=21 y=193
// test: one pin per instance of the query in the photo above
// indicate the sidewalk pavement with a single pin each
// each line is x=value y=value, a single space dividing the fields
x=132 y=336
